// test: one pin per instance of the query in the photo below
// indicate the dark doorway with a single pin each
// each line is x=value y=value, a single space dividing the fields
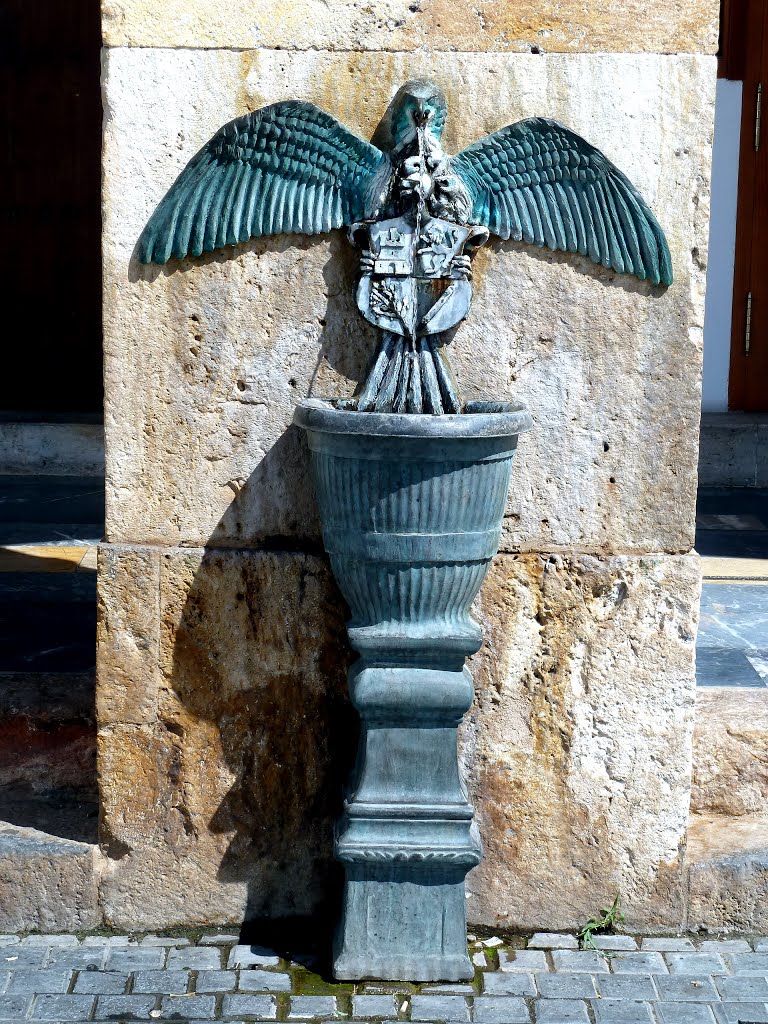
x=744 y=57
x=50 y=206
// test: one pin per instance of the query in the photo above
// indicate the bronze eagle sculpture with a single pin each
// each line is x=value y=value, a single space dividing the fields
x=416 y=212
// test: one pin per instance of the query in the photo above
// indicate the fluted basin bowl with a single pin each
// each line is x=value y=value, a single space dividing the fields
x=411 y=509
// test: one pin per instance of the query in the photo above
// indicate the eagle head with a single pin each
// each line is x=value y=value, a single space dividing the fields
x=417 y=104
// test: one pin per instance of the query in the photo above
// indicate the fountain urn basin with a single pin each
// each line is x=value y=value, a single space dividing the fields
x=411 y=509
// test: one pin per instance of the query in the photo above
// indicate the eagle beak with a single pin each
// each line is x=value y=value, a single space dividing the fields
x=421 y=117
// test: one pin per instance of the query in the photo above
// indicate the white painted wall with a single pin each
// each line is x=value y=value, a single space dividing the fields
x=722 y=240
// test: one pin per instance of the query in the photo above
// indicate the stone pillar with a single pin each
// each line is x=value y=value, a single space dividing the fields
x=225 y=728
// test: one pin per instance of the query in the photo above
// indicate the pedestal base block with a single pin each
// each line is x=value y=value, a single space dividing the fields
x=403 y=923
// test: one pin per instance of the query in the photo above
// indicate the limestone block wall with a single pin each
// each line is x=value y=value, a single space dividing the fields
x=225 y=732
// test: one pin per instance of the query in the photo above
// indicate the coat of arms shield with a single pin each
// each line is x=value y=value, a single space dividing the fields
x=413 y=287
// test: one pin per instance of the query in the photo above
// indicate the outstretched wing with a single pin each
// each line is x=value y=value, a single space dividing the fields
x=287 y=167
x=539 y=182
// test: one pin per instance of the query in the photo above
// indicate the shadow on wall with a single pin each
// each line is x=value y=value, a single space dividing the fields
x=258 y=680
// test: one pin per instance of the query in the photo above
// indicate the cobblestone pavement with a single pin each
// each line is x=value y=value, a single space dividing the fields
x=548 y=980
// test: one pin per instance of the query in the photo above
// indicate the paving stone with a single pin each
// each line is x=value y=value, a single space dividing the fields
x=264 y=1007
x=14 y=1008
x=109 y=940
x=620 y=942
x=627 y=986
x=750 y=963
x=580 y=961
x=725 y=946
x=252 y=956
x=552 y=940
x=76 y=959
x=255 y=980
x=101 y=983
x=621 y=1011
x=205 y=958
x=29 y=981
x=737 y=1013
x=317 y=1006
x=135 y=959
x=687 y=988
x=188 y=1007
x=743 y=988
x=508 y=984
x=450 y=988
x=161 y=982
x=761 y=945
x=5 y=977
x=162 y=940
x=561 y=1011
x=60 y=1008
x=51 y=940
x=565 y=986
x=9 y=940
x=222 y=939
x=501 y=1010
x=448 y=1008
x=667 y=945
x=479 y=959
x=684 y=1013
x=374 y=1006
x=17 y=957
x=639 y=963
x=124 y=1007
x=695 y=963
x=523 y=961
x=216 y=981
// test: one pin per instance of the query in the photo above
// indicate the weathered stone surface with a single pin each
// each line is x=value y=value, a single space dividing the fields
x=730 y=752
x=538 y=25
x=46 y=884
x=221 y=803
x=728 y=872
x=578 y=749
x=127 y=643
x=205 y=359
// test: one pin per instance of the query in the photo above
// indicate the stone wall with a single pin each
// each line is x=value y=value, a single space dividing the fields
x=225 y=732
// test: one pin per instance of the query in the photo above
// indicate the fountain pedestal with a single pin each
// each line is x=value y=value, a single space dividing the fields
x=411 y=508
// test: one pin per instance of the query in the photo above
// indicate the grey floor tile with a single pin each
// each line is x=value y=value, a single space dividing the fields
x=671 y=944
x=552 y=940
x=740 y=1013
x=124 y=1007
x=523 y=961
x=161 y=982
x=621 y=1011
x=188 y=1007
x=61 y=1007
x=561 y=1011
x=136 y=959
x=627 y=986
x=374 y=1006
x=501 y=984
x=255 y=980
x=447 y=1008
x=101 y=983
x=75 y=959
x=725 y=946
x=31 y=981
x=580 y=961
x=646 y=962
x=216 y=981
x=322 y=1006
x=750 y=963
x=695 y=963
x=744 y=988
x=615 y=942
x=252 y=956
x=684 y=1013
x=262 y=1007
x=198 y=958
x=565 y=986
x=14 y=1008
x=685 y=988
x=501 y=1010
